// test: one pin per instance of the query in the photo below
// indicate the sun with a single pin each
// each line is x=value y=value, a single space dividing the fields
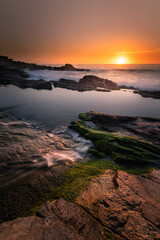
x=121 y=60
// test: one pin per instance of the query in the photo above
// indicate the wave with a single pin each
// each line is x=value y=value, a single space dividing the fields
x=136 y=70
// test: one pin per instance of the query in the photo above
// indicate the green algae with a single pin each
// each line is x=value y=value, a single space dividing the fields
x=122 y=149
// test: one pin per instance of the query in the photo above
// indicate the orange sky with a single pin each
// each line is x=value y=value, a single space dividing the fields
x=80 y=31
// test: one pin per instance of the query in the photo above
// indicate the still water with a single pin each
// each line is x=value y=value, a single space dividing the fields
x=58 y=107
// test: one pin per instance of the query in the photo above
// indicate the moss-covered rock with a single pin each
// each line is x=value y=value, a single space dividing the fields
x=122 y=149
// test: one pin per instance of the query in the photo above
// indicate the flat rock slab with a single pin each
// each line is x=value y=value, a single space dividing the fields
x=142 y=127
x=59 y=221
x=24 y=150
x=129 y=205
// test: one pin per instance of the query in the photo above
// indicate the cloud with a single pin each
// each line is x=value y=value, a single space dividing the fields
x=137 y=52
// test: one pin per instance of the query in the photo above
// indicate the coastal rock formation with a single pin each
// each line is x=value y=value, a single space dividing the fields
x=87 y=83
x=127 y=87
x=142 y=127
x=60 y=220
x=91 y=81
x=18 y=78
x=129 y=205
x=30 y=165
x=69 y=67
x=10 y=63
x=65 y=83
x=149 y=94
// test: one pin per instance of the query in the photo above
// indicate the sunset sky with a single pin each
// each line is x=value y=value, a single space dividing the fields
x=80 y=31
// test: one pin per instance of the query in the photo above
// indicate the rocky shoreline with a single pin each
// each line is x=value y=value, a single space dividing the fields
x=11 y=64
x=109 y=198
x=12 y=73
x=87 y=83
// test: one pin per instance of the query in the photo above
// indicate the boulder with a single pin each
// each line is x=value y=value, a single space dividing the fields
x=60 y=220
x=91 y=81
x=87 y=83
x=129 y=205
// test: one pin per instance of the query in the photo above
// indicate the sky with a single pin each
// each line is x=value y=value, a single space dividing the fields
x=80 y=31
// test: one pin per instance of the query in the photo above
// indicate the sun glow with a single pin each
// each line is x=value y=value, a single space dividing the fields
x=121 y=60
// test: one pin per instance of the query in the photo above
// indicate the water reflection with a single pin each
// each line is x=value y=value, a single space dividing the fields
x=50 y=109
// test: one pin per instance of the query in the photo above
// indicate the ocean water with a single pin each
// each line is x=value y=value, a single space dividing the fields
x=53 y=110
x=142 y=76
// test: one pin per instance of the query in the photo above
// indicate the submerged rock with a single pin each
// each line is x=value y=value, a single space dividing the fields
x=129 y=205
x=60 y=220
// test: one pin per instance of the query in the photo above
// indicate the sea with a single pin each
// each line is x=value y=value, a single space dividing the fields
x=53 y=110
x=141 y=76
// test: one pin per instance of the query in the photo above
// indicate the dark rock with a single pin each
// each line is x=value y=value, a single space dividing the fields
x=141 y=127
x=9 y=63
x=61 y=220
x=12 y=73
x=131 y=208
x=69 y=67
x=18 y=77
x=65 y=83
x=91 y=81
x=127 y=87
x=24 y=83
x=149 y=94
x=87 y=83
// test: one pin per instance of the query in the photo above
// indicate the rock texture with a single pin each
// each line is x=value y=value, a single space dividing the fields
x=18 y=78
x=24 y=150
x=129 y=205
x=93 y=81
x=61 y=220
x=142 y=127
x=87 y=83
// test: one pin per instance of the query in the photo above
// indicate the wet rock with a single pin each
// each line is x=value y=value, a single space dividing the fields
x=129 y=205
x=24 y=150
x=65 y=83
x=127 y=87
x=87 y=83
x=61 y=220
x=149 y=94
x=91 y=81
x=18 y=77
x=142 y=127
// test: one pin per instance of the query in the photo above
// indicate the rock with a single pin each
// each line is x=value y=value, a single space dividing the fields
x=129 y=205
x=91 y=81
x=127 y=87
x=69 y=67
x=87 y=83
x=149 y=94
x=12 y=73
x=10 y=63
x=141 y=127
x=65 y=83
x=23 y=83
x=29 y=170
x=61 y=220
x=18 y=77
